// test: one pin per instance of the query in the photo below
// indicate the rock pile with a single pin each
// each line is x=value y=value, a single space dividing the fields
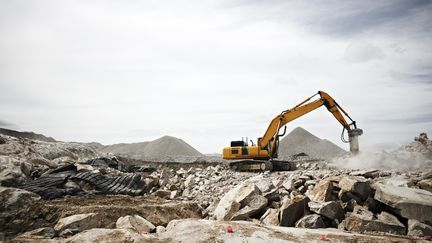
x=23 y=159
x=421 y=144
x=352 y=202
x=160 y=148
x=301 y=141
x=286 y=205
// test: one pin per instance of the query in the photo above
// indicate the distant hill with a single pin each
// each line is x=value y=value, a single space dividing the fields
x=301 y=141
x=161 y=147
x=28 y=135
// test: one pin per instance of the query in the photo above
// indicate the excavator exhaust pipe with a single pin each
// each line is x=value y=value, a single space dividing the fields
x=353 y=139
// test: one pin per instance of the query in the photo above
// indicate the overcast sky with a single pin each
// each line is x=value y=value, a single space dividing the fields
x=214 y=71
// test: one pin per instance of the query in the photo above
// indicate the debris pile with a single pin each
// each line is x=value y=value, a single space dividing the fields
x=421 y=144
x=23 y=159
x=104 y=199
x=354 y=201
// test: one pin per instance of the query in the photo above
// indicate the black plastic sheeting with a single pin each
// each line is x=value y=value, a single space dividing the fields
x=52 y=185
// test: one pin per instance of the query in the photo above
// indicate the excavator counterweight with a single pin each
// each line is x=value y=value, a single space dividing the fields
x=261 y=157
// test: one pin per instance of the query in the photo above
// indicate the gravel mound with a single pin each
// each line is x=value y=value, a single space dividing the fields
x=301 y=141
x=161 y=147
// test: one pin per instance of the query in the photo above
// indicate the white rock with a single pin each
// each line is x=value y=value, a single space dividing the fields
x=84 y=167
x=110 y=236
x=14 y=198
x=235 y=199
x=416 y=228
x=257 y=204
x=136 y=223
x=174 y=194
x=188 y=180
x=160 y=229
x=270 y=217
x=195 y=230
x=78 y=222
x=409 y=202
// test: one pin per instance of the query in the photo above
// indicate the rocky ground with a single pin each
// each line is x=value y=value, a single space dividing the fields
x=65 y=192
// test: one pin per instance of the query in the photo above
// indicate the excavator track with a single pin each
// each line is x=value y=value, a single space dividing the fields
x=250 y=165
x=283 y=165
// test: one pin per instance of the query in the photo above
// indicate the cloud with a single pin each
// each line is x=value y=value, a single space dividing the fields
x=420 y=76
x=342 y=19
x=403 y=119
x=357 y=52
x=5 y=124
x=354 y=17
x=210 y=72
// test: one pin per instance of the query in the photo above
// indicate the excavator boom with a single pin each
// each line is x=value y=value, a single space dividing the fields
x=271 y=134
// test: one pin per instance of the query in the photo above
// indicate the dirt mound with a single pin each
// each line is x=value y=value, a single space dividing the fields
x=301 y=141
x=161 y=147
x=28 y=135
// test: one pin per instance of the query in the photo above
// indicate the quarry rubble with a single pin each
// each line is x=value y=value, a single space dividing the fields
x=70 y=192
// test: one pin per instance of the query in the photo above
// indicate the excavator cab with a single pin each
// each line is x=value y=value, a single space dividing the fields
x=239 y=143
x=241 y=150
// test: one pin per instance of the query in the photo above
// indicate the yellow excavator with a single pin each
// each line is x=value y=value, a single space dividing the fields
x=262 y=156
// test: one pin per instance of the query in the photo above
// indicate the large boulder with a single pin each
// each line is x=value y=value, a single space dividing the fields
x=427 y=175
x=11 y=174
x=397 y=180
x=322 y=192
x=270 y=217
x=362 y=220
x=416 y=228
x=370 y=173
x=37 y=234
x=162 y=193
x=135 y=223
x=357 y=185
x=257 y=204
x=407 y=202
x=110 y=236
x=292 y=210
x=16 y=211
x=312 y=221
x=235 y=199
x=425 y=184
x=264 y=185
x=199 y=230
x=15 y=199
x=331 y=210
x=78 y=222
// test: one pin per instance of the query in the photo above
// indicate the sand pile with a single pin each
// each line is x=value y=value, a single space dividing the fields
x=301 y=141
x=161 y=147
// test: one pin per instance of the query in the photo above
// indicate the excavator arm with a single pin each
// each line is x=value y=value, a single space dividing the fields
x=270 y=139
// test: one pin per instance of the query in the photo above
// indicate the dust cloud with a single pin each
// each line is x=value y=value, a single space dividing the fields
x=384 y=160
